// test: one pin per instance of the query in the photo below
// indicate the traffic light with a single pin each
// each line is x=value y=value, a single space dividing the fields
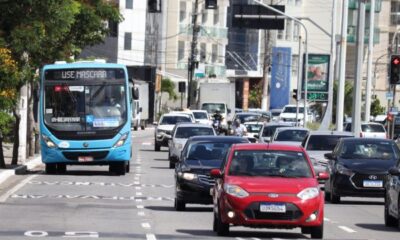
x=211 y=4
x=395 y=69
x=154 y=6
x=295 y=94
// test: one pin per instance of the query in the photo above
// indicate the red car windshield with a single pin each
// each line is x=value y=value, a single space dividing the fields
x=267 y=163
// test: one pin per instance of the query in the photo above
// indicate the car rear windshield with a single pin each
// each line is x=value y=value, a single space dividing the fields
x=253 y=128
x=207 y=151
x=200 y=115
x=270 y=130
x=323 y=142
x=291 y=135
x=372 y=128
x=172 y=120
x=187 y=132
x=369 y=150
x=267 y=163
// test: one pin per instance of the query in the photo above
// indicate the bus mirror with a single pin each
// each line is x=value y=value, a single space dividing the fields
x=135 y=93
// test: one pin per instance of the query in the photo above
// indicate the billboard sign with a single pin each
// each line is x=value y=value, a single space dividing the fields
x=280 y=77
x=318 y=77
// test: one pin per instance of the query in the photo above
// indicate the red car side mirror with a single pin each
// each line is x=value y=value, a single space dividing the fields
x=215 y=173
x=323 y=176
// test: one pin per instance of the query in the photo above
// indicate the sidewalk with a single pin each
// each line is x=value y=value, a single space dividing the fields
x=20 y=168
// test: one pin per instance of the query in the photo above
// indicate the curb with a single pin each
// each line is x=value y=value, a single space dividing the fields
x=4 y=175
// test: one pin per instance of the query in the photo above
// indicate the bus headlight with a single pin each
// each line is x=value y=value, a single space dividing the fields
x=48 y=141
x=121 y=140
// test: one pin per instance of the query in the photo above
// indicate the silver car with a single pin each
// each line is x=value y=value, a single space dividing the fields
x=179 y=136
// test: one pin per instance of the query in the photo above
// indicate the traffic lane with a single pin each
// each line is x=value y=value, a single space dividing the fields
x=361 y=218
x=196 y=221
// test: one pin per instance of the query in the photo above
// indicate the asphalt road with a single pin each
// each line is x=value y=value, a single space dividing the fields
x=88 y=202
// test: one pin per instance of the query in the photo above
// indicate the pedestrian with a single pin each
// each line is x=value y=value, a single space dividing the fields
x=239 y=129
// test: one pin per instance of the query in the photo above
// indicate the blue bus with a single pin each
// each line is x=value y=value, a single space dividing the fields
x=84 y=109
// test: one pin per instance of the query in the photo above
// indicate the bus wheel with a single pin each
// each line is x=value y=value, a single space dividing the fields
x=61 y=168
x=51 y=168
x=118 y=168
x=128 y=167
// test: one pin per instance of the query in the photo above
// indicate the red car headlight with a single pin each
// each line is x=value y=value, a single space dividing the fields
x=235 y=191
x=308 y=193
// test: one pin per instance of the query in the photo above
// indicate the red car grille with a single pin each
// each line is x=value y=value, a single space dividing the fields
x=292 y=213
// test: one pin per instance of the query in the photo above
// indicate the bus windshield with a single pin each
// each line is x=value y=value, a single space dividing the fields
x=84 y=105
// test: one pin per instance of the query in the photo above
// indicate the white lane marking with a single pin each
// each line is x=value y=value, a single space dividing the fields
x=6 y=174
x=327 y=219
x=139 y=194
x=10 y=192
x=136 y=182
x=139 y=200
x=151 y=237
x=147 y=144
x=140 y=206
x=141 y=213
x=256 y=238
x=138 y=188
x=146 y=225
x=347 y=229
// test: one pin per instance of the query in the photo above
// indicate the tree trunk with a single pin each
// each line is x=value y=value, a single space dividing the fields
x=31 y=123
x=2 y=162
x=17 y=117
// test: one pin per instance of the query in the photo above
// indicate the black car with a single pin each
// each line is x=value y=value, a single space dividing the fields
x=392 y=197
x=192 y=172
x=358 y=167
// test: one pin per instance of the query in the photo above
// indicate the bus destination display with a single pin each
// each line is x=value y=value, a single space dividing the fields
x=84 y=74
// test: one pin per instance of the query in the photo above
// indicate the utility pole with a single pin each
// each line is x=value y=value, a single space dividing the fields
x=369 y=66
x=193 y=52
x=267 y=63
x=356 y=117
x=342 y=73
x=328 y=112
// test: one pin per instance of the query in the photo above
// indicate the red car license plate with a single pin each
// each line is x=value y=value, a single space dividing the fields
x=273 y=207
x=85 y=159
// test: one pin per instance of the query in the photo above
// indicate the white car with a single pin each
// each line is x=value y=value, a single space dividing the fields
x=181 y=133
x=290 y=135
x=164 y=127
x=253 y=129
x=288 y=114
x=201 y=116
x=186 y=112
x=369 y=130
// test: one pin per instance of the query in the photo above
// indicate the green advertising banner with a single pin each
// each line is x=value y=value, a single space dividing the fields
x=318 y=77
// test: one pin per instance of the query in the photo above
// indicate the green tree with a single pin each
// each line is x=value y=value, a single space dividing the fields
x=42 y=31
x=376 y=108
x=348 y=98
x=168 y=86
x=255 y=95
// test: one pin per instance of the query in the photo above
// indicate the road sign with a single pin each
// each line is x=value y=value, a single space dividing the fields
x=257 y=17
x=316 y=96
x=389 y=95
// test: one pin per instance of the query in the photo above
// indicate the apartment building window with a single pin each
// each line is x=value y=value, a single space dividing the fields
x=296 y=32
x=214 y=55
x=216 y=17
x=280 y=34
x=395 y=7
x=182 y=11
x=129 y=4
x=290 y=2
x=203 y=52
x=128 y=41
x=298 y=2
x=204 y=17
x=112 y=29
x=295 y=61
x=181 y=50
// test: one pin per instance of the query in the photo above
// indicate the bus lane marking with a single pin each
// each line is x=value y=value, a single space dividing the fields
x=347 y=229
x=17 y=187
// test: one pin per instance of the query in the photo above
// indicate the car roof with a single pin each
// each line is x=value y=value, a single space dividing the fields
x=267 y=146
x=221 y=139
x=198 y=110
x=292 y=128
x=254 y=122
x=188 y=124
x=175 y=114
x=330 y=133
x=248 y=113
x=366 y=140
x=268 y=124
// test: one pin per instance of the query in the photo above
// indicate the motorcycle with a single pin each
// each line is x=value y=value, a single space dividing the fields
x=217 y=126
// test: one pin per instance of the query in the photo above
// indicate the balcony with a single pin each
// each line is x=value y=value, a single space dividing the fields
x=205 y=31
x=352 y=34
x=353 y=4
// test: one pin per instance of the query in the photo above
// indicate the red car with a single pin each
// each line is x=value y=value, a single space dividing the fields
x=268 y=185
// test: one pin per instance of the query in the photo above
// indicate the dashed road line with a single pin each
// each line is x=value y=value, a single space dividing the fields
x=151 y=237
x=141 y=213
x=347 y=229
x=146 y=225
x=140 y=206
x=139 y=194
x=327 y=219
x=147 y=144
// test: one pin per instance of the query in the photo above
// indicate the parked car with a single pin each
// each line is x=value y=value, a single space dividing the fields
x=181 y=133
x=369 y=130
x=253 y=128
x=392 y=197
x=268 y=185
x=290 y=135
x=201 y=116
x=192 y=172
x=358 y=166
x=318 y=143
x=163 y=129
x=268 y=130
